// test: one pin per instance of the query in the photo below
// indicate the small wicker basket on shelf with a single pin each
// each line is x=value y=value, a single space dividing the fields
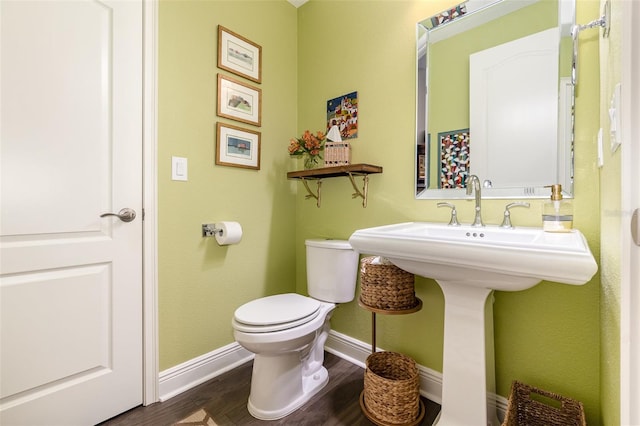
x=392 y=389
x=385 y=286
x=547 y=409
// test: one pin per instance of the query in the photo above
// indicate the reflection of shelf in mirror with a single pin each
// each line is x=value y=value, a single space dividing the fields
x=351 y=170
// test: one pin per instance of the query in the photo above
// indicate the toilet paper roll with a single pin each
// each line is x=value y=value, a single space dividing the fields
x=229 y=233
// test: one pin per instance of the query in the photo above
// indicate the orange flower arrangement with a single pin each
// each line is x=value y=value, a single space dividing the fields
x=310 y=146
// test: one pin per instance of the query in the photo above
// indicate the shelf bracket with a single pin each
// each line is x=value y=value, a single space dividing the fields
x=311 y=194
x=365 y=187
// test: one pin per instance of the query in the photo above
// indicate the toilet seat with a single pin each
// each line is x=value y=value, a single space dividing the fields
x=275 y=313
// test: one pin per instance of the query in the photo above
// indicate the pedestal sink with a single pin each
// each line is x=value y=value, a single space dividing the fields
x=469 y=263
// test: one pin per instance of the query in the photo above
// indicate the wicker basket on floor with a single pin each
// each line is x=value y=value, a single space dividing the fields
x=385 y=286
x=547 y=409
x=391 y=388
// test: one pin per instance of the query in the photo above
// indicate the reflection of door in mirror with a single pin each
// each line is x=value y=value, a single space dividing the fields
x=514 y=112
x=443 y=98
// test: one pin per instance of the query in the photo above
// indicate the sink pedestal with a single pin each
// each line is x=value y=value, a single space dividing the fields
x=468 y=360
x=469 y=262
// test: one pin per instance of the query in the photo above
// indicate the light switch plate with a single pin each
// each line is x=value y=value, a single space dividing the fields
x=179 y=169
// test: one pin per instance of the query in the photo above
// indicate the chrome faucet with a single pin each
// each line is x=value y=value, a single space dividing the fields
x=506 y=222
x=454 y=213
x=473 y=183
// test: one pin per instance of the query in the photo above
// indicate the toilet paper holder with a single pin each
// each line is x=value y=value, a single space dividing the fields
x=210 y=230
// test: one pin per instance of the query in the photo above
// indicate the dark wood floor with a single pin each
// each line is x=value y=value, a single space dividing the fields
x=225 y=399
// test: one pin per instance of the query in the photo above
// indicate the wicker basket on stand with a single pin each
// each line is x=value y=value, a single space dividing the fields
x=392 y=389
x=385 y=286
x=547 y=409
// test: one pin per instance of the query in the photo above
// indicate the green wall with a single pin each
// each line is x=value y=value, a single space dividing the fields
x=548 y=336
x=201 y=283
x=611 y=224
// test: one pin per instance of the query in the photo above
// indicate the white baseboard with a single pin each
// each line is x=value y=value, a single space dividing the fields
x=356 y=352
x=191 y=373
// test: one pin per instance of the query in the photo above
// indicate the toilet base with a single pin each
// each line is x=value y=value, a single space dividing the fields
x=311 y=385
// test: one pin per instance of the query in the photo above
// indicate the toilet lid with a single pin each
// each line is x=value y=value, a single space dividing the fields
x=277 y=312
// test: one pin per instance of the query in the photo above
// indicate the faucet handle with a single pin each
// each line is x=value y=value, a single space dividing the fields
x=506 y=222
x=454 y=213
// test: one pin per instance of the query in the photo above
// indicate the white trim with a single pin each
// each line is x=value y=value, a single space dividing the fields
x=630 y=176
x=356 y=352
x=150 y=246
x=297 y=3
x=198 y=370
x=191 y=373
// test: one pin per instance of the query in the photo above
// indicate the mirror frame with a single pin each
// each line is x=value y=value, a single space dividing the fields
x=473 y=19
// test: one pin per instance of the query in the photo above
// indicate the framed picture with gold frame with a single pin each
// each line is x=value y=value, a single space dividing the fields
x=237 y=147
x=239 y=55
x=239 y=101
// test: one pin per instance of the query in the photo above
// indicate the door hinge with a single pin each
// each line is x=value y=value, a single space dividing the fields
x=635 y=227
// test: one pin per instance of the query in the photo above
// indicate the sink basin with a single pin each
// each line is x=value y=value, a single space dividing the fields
x=490 y=257
x=469 y=263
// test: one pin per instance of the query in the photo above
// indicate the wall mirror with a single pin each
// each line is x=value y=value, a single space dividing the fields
x=495 y=99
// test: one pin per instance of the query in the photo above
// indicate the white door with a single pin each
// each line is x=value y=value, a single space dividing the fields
x=513 y=99
x=630 y=262
x=71 y=150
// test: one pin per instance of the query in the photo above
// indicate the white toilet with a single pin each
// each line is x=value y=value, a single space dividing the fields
x=287 y=332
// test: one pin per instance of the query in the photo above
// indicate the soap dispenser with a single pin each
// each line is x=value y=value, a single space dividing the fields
x=557 y=214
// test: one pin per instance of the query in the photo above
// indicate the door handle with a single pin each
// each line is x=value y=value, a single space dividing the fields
x=125 y=215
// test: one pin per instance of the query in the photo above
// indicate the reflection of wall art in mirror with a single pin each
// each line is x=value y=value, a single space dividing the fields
x=342 y=117
x=454 y=158
x=448 y=15
x=239 y=55
x=237 y=147
x=422 y=172
x=239 y=101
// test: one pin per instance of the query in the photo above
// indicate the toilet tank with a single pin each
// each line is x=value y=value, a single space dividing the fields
x=332 y=267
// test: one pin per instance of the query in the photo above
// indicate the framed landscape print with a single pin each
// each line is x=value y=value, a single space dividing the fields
x=239 y=101
x=237 y=147
x=239 y=55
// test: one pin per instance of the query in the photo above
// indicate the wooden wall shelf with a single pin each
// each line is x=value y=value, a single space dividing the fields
x=351 y=171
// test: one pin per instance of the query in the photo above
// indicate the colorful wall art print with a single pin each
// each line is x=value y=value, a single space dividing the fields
x=342 y=117
x=454 y=158
x=448 y=15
